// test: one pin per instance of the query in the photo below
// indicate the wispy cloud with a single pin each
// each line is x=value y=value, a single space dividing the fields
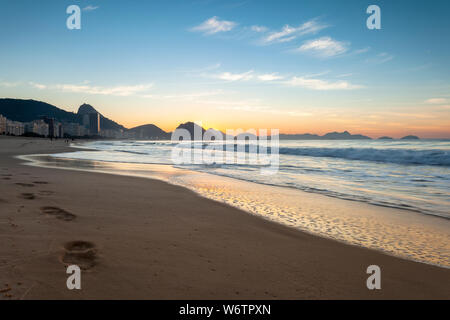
x=318 y=84
x=315 y=75
x=122 y=91
x=228 y=76
x=306 y=81
x=324 y=47
x=381 y=58
x=197 y=96
x=270 y=77
x=214 y=25
x=436 y=101
x=259 y=28
x=90 y=8
x=245 y=76
x=8 y=84
x=363 y=50
x=289 y=33
x=344 y=75
x=38 y=85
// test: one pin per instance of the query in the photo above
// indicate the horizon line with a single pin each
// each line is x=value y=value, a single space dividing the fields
x=372 y=137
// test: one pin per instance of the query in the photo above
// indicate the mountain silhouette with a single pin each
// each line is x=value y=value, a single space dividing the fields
x=149 y=131
x=192 y=128
x=410 y=137
x=329 y=136
x=105 y=123
x=29 y=110
x=86 y=109
x=343 y=136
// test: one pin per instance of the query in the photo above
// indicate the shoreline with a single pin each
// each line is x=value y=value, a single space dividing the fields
x=424 y=235
x=293 y=263
x=43 y=164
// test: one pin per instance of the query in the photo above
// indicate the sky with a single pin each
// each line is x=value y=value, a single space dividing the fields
x=297 y=66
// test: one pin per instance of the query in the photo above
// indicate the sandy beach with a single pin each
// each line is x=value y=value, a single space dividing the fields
x=146 y=239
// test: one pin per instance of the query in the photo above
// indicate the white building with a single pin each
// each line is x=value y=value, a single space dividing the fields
x=39 y=127
x=15 y=128
x=58 y=130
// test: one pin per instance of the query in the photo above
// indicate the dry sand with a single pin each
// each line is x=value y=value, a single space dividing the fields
x=145 y=239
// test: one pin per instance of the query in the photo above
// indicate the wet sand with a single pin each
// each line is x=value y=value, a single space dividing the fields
x=138 y=238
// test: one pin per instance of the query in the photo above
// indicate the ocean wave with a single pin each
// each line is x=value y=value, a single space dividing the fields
x=434 y=157
x=132 y=152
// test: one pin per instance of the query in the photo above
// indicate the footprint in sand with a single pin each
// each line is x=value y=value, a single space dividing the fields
x=25 y=184
x=80 y=253
x=58 y=213
x=28 y=196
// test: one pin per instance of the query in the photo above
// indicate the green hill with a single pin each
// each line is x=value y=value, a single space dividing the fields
x=29 y=110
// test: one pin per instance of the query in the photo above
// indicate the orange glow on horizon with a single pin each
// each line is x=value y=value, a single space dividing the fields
x=373 y=131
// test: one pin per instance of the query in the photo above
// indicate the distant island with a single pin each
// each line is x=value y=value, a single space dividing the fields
x=329 y=136
x=40 y=119
x=410 y=138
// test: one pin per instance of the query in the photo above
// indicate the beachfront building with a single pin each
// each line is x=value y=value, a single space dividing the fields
x=74 y=129
x=91 y=121
x=94 y=123
x=59 y=131
x=111 y=134
x=51 y=126
x=83 y=131
x=2 y=124
x=15 y=128
x=55 y=129
x=40 y=127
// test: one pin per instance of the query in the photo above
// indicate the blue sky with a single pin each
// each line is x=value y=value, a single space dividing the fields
x=300 y=66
